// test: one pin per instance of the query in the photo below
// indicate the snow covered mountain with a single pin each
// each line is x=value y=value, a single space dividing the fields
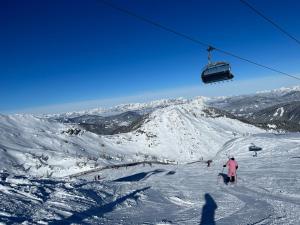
x=178 y=130
x=186 y=132
x=284 y=116
x=140 y=108
x=247 y=104
x=47 y=147
x=37 y=146
x=39 y=153
x=277 y=109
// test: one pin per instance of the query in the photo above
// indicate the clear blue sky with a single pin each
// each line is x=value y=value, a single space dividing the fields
x=54 y=52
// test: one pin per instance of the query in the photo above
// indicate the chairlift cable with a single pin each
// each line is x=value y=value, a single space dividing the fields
x=195 y=40
x=130 y=13
x=270 y=21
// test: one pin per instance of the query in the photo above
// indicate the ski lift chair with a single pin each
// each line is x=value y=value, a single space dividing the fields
x=215 y=71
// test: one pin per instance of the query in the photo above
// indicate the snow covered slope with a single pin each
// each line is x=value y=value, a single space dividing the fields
x=180 y=132
x=38 y=152
x=41 y=147
x=267 y=191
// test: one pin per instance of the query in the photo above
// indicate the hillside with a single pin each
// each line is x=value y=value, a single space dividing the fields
x=187 y=132
x=37 y=146
x=283 y=116
x=106 y=125
x=276 y=109
x=247 y=104
x=181 y=132
x=39 y=153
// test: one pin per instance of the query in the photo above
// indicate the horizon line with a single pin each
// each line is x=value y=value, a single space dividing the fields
x=224 y=89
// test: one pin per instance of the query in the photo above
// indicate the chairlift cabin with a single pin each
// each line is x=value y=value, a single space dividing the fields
x=215 y=71
x=255 y=149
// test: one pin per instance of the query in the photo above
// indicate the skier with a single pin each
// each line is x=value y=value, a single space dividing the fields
x=232 y=167
x=208 y=162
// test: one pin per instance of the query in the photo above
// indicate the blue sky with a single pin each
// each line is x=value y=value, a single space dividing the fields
x=63 y=55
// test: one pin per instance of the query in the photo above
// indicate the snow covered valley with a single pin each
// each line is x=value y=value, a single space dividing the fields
x=39 y=155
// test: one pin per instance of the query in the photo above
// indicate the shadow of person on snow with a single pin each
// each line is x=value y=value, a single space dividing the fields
x=171 y=172
x=225 y=177
x=138 y=176
x=208 y=211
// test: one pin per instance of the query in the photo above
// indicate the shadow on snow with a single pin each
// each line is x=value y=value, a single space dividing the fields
x=208 y=211
x=225 y=178
x=172 y=172
x=98 y=210
x=138 y=176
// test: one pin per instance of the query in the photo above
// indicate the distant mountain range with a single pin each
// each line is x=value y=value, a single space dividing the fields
x=176 y=129
x=182 y=130
x=277 y=109
x=109 y=125
x=119 y=119
x=257 y=109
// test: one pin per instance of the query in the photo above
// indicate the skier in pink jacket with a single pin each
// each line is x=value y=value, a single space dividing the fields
x=232 y=167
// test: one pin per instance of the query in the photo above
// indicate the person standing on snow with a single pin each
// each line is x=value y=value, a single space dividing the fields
x=232 y=167
x=208 y=162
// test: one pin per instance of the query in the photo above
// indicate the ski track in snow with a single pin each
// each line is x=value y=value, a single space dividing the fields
x=165 y=194
x=254 y=211
x=147 y=195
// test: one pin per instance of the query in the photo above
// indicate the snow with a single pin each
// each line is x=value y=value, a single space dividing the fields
x=279 y=112
x=267 y=191
x=280 y=90
x=272 y=126
x=124 y=123
x=38 y=146
x=192 y=133
x=122 y=108
x=39 y=158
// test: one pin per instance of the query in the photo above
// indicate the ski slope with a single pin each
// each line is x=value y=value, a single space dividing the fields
x=267 y=191
x=39 y=155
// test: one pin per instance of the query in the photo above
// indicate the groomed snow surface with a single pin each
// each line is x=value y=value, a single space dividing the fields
x=38 y=157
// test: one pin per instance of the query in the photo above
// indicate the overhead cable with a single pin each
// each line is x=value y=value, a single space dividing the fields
x=270 y=21
x=193 y=39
